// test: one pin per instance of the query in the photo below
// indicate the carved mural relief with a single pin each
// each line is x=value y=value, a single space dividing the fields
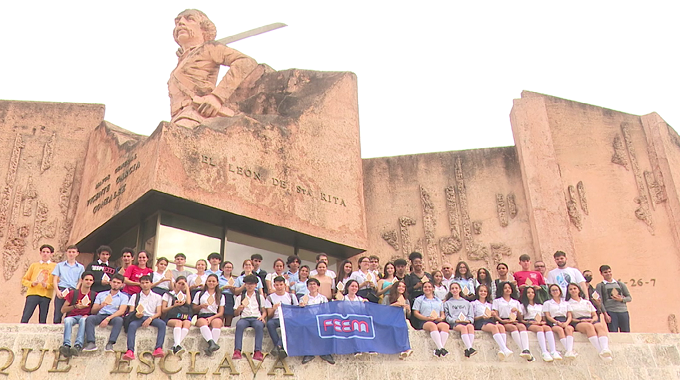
x=465 y=214
x=582 y=197
x=498 y=250
x=500 y=209
x=620 y=155
x=29 y=197
x=429 y=224
x=67 y=197
x=10 y=179
x=572 y=208
x=657 y=190
x=477 y=227
x=404 y=223
x=41 y=228
x=512 y=205
x=391 y=238
x=672 y=324
x=453 y=243
x=48 y=150
x=642 y=212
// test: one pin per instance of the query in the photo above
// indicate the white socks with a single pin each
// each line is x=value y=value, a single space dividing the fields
x=604 y=342
x=505 y=339
x=540 y=336
x=177 y=335
x=564 y=343
x=437 y=339
x=185 y=332
x=466 y=340
x=570 y=343
x=516 y=338
x=499 y=340
x=216 y=334
x=205 y=332
x=472 y=339
x=524 y=337
x=444 y=336
x=595 y=342
x=550 y=337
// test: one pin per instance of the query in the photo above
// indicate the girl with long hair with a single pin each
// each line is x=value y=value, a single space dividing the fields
x=227 y=282
x=460 y=317
x=440 y=290
x=209 y=304
x=177 y=309
x=386 y=283
x=532 y=317
x=558 y=316
x=485 y=320
x=507 y=311
x=466 y=279
x=585 y=321
x=326 y=282
x=134 y=272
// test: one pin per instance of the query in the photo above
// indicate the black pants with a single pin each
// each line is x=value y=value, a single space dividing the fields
x=58 y=303
x=620 y=322
x=29 y=307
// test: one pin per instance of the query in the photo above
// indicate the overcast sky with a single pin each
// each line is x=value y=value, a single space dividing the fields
x=433 y=76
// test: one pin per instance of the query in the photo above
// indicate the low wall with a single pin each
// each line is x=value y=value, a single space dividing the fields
x=636 y=356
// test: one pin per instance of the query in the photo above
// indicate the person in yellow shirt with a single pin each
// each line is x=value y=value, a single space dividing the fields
x=38 y=280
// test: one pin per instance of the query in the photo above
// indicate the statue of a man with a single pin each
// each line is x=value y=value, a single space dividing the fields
x=194 y=92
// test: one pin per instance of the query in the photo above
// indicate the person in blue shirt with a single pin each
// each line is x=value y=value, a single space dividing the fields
x=108 y=309
x=429 y=311
x=66 y=275
x=215 y=261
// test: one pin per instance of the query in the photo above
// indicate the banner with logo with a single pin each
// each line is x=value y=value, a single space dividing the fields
x=343 y=328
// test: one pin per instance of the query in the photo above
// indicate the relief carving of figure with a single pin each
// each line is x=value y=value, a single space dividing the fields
x=193 y=89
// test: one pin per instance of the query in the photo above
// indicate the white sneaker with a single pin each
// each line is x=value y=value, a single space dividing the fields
x=608 y=359
x=525 y=354
x=570 y=354
x=606 y=353
x=546 y=357
x=501 y=355
x=508 y=353
x=556 y=356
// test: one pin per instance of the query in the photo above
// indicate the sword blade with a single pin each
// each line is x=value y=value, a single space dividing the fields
x=250 y=33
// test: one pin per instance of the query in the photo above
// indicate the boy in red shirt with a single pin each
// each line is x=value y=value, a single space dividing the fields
x=528 y=278
x=76 y=311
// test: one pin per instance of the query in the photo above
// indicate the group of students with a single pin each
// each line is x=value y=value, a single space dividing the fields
x=133 y=295
x=559 y=304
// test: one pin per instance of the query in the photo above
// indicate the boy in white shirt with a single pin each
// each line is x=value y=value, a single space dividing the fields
x=250 y=306
x=273 y=305
x=314 y=298
x=149 y=316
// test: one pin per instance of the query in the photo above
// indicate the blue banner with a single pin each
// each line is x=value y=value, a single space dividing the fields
x=343 y=328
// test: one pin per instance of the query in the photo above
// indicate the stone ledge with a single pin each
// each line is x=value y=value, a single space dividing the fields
x=636 y=356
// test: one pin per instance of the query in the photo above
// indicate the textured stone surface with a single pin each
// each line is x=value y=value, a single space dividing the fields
x=653 y=361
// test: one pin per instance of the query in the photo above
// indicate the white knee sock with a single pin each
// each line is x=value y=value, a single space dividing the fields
x=437 y=339
x=216 y=334
x=177 y=335
x=596 y=343
x=444 y=337
x=540 y=336
x=185 y=332
x=205 y=332
x=466 y=340
x=604 y=342
x=570 y=343
x=472 y=339
x=516 y=338
x=564 y=343
x=550 y=337
x=524 y=337
x=499 y=340
x=505 y=339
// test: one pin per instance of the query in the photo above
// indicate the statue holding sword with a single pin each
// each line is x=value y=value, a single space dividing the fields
x=194 y=92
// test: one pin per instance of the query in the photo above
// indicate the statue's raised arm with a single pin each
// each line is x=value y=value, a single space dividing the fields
x=193 y=89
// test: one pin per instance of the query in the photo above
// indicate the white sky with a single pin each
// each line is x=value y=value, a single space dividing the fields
x=433 y=75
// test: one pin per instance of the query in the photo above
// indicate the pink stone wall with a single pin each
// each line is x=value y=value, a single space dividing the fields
x=608 y=153
x=433 y=202
x=42 y=146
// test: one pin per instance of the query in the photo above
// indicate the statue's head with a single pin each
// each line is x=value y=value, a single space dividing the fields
x=192 y=21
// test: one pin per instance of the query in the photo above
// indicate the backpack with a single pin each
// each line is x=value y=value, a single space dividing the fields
x=129 y=317
x=182 y=312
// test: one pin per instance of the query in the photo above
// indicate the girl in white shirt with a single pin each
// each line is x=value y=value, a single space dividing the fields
x=440 y=290
x=197 y=280
x=351 y=289
x=485 y=321
x=399 y=298
x=177 y=309
x=584 y=320
x=557 y=314
x=508 y=313
x=209 y=304
x=161 y=283
x=532 y=317
x=279 y=267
